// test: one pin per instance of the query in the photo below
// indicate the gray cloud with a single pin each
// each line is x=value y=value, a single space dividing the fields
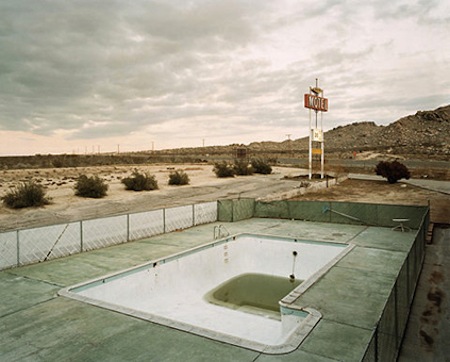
x=99 y=69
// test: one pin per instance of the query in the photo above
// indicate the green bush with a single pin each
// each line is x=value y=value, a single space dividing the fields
x=393 y=171
x=27 y=194
x=261 y=166
x=242 y=168
x=178 y=178
x=223 y=169
x=140 y=182
x=93 y=187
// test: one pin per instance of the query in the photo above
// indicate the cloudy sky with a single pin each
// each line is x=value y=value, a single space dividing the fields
x=102 y=75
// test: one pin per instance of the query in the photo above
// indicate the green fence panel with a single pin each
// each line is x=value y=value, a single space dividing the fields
x=309 y=210
x=274 y=209
x=387 y=336
x=229 y=210
x=371 y=351
x=402 y=299
x=340 y=212
x=353 y=213
x=225 y=210
x=386 y=214
x=243 y=209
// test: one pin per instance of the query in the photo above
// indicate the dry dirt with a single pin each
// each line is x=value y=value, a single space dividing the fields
x=65 y=206
x=375 y=192
x=204 y=186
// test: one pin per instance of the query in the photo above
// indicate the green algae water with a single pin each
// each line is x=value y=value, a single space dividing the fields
x=253 y=292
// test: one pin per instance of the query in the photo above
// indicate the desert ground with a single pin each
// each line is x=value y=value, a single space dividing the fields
x=204 y=186
x=65 y=206
x=353 y=190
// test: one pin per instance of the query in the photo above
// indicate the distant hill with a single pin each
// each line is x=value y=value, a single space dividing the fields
x=426 y=133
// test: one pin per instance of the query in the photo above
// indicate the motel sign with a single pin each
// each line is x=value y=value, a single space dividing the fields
x=315 y=102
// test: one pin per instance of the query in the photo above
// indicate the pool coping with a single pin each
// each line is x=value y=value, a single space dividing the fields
x=287 y=306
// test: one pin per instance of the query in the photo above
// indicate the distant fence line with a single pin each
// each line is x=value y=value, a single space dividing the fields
x=27 y=246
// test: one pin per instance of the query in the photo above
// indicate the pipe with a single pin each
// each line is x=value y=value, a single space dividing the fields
x=342 y=214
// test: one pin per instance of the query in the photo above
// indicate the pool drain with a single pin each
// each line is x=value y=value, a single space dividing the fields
x=292 y=276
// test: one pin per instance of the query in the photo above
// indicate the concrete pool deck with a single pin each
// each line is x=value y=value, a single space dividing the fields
x=36 y=324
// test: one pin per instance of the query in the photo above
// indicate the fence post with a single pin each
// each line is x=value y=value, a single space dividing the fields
x=18 y=247
x=164 y=220
x=128 y=227
x=193 y=215
x=81 y=236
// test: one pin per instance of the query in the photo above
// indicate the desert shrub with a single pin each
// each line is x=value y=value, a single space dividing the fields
x=178 y=178
x=393 y=171
x=242 y=168
x=93 y=187
x=223 y=169
x=27 y=194
x=140 y=182
x=261 y=166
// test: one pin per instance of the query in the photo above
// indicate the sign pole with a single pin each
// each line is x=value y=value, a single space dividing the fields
x=322 y=155
x=310 y=147
x=317 y=102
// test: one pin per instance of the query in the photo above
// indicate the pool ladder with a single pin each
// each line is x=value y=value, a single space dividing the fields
x=220 y=231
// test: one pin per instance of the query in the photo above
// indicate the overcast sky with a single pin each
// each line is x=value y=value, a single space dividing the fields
x=83 y=76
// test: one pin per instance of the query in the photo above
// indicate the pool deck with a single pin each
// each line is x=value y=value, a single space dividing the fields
x=38 y=325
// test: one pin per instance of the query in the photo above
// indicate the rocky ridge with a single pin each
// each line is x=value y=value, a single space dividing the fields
x=424 y=134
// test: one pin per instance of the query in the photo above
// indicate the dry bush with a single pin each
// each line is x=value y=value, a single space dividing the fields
x=261 y=166
x=392 y=171
x=178 y=177
x=26 y=194
x=223 y=169
x=93 y=187
x=242 y=168
x=140 y=182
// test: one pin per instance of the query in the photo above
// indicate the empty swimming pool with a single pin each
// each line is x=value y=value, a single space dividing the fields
x=239 y=290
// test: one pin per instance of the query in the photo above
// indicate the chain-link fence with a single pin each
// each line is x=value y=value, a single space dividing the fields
x=26 y=246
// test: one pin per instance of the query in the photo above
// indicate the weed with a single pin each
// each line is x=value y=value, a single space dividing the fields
x=178 y=178
x=223 y=169
x=26 y=194
x=140 y=182
x=93 y=187
x=242 y=168
x=261 y=166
